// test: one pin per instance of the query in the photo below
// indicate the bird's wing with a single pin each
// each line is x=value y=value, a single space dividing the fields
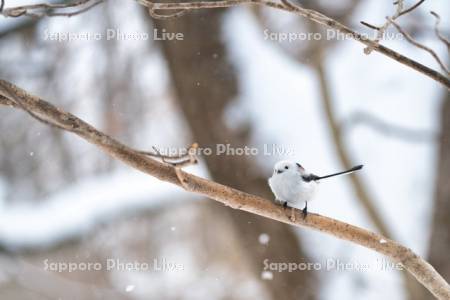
x=310 y=177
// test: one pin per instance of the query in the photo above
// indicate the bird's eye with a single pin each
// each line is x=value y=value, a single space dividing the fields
x=286 y=167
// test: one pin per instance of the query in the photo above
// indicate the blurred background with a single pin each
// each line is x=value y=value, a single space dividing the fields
x=319 y=101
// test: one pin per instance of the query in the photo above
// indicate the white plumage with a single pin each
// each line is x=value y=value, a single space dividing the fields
x=288 y=185
x=294 y=187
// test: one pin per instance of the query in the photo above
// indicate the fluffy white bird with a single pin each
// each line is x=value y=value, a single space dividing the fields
x=293 y=186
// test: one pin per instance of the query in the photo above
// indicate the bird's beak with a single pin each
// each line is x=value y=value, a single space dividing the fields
x=279 y=171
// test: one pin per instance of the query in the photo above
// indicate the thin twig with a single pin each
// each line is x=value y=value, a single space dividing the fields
x=48 y=9
x=158 y=154
x=372 y=44
x=2 y=4
x=71 y=14
x=184 y=157
x=293 y=8
x=382 y=29
x=177 y=160
x=422 y=270
x=412 y=41
x=313 y=16
x=154 y=14
x=438 y=32
x=411 y=8
x=370 y=25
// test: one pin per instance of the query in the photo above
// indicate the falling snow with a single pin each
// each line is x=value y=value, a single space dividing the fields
x=264 y=239
x=129 y=288
x=267 y=275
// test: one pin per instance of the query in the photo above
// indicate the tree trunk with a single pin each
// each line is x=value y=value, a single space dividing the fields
x=440 y=235
x=205 y=83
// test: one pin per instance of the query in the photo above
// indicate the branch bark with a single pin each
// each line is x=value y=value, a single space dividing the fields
x=203 y=98
x=313 y=16
x=44 y=111
x=43 y=9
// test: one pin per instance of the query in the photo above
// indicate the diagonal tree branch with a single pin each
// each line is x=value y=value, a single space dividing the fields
x=408 y=10
x=382 y=29
x=43 y=9
x=236 y=199
x=313 y=16
x=412 y=41
x=50 y=9
x=400 y=11
x=437 y=31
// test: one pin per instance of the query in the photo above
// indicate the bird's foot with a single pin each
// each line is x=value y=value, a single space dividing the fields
x=305 y=211
x=285 y=204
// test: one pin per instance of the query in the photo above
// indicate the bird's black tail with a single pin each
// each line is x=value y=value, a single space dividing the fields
x=355 y=168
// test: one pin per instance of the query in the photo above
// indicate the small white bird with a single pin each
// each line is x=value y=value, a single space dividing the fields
x=293 y=186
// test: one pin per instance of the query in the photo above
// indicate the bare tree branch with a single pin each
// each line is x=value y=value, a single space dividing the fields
x=50 y=9
x=313 y=16
x=406 y=11
x=182 y=159
x=45 y=9
x=392 y=21
x=406 y=134
x=370 y=25
x=188 y=153
x=438 y=32
x=71 y=14
x=154 y=14
x=382 y=29
x=7 y=102
x=236 y=199
x=412 y=41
